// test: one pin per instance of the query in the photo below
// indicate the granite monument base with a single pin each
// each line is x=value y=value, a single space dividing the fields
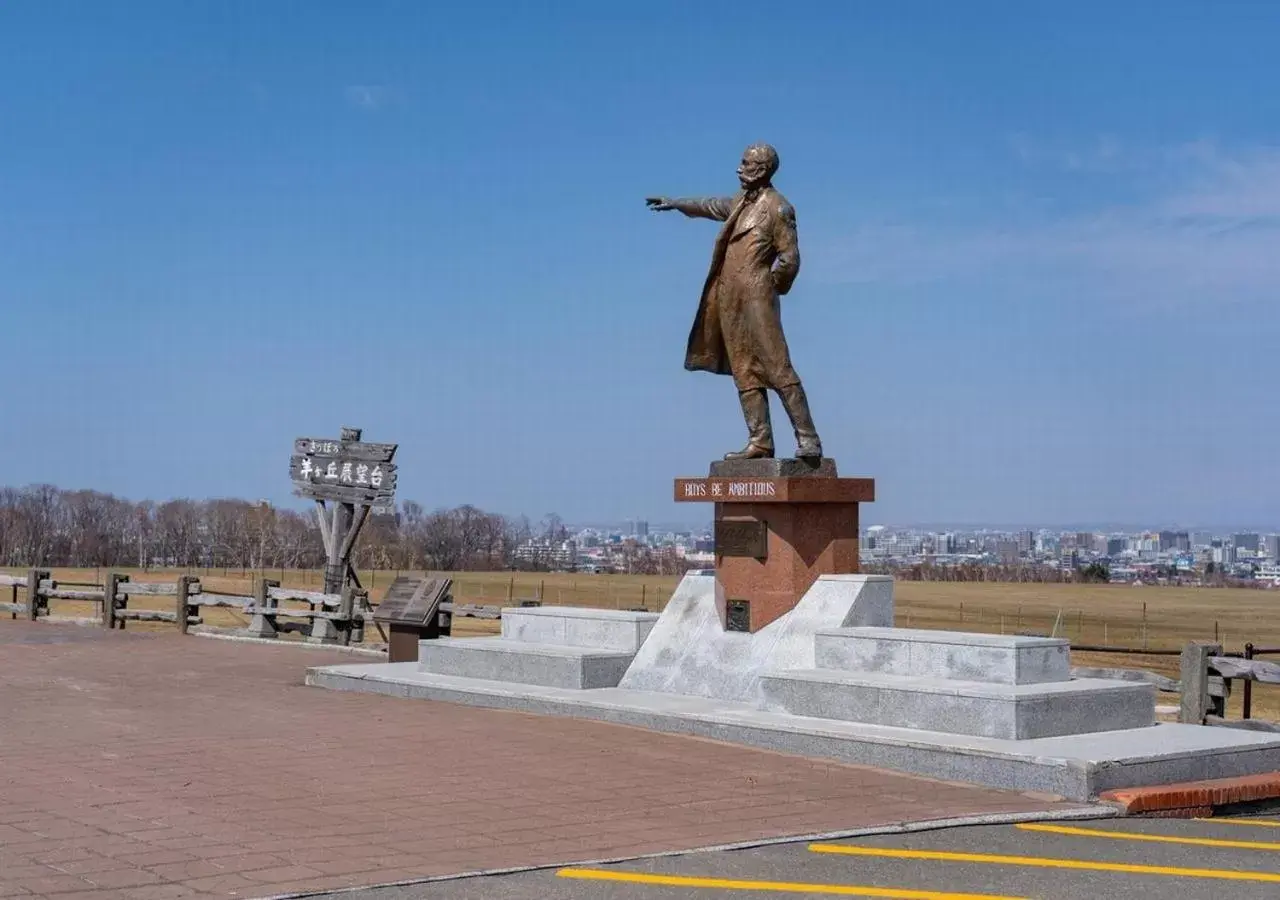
x=550 y=646
x=830 y=680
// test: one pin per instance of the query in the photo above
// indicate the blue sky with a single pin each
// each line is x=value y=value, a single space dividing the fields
x=1040 y=269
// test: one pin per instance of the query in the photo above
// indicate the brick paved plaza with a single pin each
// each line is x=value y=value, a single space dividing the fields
x=150 y=766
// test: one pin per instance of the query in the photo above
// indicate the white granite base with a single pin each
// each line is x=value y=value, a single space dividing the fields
x=1077 y=767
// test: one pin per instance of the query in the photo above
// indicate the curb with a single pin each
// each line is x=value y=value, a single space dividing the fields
x=1193 y=799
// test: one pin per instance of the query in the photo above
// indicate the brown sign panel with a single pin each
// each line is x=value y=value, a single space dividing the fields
x=775 y=490
x=413 y=601
x=359 y=496
x=336 y=448
x=742 y=537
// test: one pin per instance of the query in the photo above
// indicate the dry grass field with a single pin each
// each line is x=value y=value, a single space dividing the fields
x=1155 y=618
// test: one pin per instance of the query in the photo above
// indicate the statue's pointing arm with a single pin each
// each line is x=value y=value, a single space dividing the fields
x=785 y=240
x=717 y=208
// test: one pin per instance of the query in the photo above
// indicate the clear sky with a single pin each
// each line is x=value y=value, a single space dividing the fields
x=1040 y=260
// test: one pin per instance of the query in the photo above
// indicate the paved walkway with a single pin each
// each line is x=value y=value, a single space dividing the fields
x=153 y=766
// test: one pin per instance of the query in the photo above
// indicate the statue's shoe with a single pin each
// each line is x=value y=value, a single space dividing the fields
x=751 y=451
x=809 y=449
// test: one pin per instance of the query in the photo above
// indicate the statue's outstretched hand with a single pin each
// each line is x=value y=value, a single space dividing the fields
x=659 y=204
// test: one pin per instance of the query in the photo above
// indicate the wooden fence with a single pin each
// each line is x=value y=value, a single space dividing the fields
x=326 y=618
x=1205 y=681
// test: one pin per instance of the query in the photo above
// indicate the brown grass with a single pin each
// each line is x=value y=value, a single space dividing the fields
x=1088 y=614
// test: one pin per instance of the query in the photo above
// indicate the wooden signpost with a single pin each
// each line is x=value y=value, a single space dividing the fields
x=358 y=479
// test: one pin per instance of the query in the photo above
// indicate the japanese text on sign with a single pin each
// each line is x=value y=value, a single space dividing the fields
x=342 y=472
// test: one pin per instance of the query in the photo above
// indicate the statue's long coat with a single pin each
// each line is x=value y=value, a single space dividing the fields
x=738 y=328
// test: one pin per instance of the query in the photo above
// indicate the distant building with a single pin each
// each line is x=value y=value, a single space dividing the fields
x=1174 y=541
x=1273 y=546
x=1026 y=542
x=1116 y=546
x=1248 y=542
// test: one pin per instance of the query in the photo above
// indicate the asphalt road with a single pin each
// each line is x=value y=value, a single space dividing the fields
x=1234 y=858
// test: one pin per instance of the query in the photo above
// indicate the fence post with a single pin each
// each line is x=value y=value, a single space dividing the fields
x=1248 y=684
x=263 y=624
x=109 y=586
x=180 y=605
x=347 y=611
x=1194 y=681
x=358 y=607
x=34 y=577
x=124 y=603
x=13 y=598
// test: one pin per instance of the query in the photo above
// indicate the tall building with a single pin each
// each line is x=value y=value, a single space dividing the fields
x=1246 y=542
x=1007 y=552
x=1026 y=542
x=1273 y=546
x=1116 y=546
x=1173 y=541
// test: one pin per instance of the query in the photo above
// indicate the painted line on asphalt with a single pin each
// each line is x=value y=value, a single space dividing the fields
x=1149 y=838
x=1253 y=823
x=1046 y=863
x=781 y=887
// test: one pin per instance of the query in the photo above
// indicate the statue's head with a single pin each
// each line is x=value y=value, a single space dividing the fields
x=759 y=162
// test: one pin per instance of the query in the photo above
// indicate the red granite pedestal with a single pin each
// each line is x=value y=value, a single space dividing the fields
x=779 y=524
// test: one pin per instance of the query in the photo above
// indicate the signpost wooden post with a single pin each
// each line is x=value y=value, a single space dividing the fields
x=349 y=480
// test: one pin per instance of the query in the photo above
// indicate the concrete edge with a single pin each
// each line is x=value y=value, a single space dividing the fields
x=277 y=642
x=1084 y=812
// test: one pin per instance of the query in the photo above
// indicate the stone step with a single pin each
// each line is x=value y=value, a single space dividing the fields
x=522 y=662
x=983 y=709
x=571 y=626
x=996 y=658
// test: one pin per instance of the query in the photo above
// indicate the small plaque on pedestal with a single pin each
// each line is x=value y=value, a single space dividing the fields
x=737 y=615
x=742 y=537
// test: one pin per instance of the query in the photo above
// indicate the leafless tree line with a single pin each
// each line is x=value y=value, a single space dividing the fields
x=42 y=525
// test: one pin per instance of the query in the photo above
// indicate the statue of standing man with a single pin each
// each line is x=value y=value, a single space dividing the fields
x=738 y=327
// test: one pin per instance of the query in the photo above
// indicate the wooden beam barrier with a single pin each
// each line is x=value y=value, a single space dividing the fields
x=12 y=582
x=1243 y=724
x=1162 y=682
x=144 y=615
x=317 y=597
x=63 y=594
x=1246 y=669
x=231 y=601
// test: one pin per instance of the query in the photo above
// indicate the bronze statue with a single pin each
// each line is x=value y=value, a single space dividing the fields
x=738 y=327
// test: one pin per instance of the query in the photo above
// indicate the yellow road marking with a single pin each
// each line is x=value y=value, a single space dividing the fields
x=1255 y=823
x=1151 y=838
x=1043 y=863
x=787 y=887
